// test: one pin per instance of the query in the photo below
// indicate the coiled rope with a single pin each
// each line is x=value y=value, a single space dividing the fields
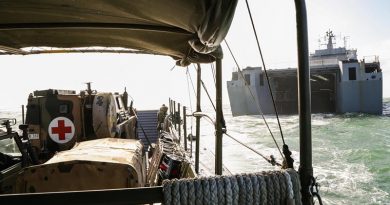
x=263 y=190
x=206 y=191
x=189 y=98
x=198 y=192
x=221 y=190
x=228 y=190
x=273 y=187
x=184 y=189
x=296 y=185
x=256 y=189
x=213 y=191
x=191 y=190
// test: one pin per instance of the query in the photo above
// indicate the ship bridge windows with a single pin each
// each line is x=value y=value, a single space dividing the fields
x=248 y=79
x=352 y=73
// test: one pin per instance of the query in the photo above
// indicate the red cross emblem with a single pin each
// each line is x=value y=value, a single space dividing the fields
x=61 y=130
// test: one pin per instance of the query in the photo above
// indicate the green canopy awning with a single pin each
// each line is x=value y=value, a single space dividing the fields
x=190 y=31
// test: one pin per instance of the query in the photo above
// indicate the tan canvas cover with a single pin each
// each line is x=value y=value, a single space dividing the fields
x=187 y=30
x=97 y=164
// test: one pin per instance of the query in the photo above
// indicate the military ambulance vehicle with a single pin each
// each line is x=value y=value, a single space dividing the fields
x=84 y=141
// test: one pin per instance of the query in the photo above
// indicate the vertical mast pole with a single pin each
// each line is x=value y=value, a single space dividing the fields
x=23 y=114
x=174 y=114
x=179 y=118
x=305 y=168
x=170 y=106
x=218 y=117
x=198 y=89
x=185 y=127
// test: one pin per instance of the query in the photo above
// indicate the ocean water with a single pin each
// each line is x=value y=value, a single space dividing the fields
x=351 y=152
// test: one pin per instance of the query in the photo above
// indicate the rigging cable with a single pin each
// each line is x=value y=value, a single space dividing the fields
x=215 y=81
x=205 y=88
x=189 y=96
x=223 y=122
x=265 y=70
x=208 y=95
x=224 y=167
x=213 y=71
x=253 y=98
x=192 y=83
x=271 y=161
x=188 y=88
x=289 y=161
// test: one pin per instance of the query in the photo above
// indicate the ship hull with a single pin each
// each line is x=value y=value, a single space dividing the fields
x=329 y=94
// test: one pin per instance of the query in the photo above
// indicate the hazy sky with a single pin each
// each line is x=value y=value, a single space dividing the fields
x=150 y=82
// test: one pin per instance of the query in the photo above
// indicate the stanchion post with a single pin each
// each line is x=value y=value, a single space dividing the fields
x=185 y=127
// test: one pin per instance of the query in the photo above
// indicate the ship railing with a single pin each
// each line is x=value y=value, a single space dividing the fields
x=371 y=59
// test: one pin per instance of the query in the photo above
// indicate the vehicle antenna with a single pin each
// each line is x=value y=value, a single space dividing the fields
x=89 y=91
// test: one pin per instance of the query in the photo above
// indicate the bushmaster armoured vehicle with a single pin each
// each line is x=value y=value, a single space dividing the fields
x=83 y=141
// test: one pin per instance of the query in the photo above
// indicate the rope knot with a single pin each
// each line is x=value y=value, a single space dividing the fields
x=288 y=161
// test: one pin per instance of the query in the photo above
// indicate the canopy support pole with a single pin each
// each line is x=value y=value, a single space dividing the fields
x=198 y=90
x=218 y=120
x=305 y=168
x=179 y=118
x=185 y=127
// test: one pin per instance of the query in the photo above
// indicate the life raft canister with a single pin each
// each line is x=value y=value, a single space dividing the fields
x=104 y=116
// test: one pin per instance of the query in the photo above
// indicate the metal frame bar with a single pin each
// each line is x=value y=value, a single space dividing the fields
x=218 y=117
x=179 y=124
x=303 y=74
x=198 y=109
x=81 y=25
x=32 y=52
x=185 y=127
x=109 y=197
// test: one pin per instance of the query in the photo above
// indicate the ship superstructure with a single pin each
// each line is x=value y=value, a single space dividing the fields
x=340 y=83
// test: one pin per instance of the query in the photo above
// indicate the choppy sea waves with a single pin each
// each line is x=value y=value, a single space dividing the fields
x=351 y=152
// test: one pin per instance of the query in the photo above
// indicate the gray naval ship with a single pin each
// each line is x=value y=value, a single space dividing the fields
x=340 y=83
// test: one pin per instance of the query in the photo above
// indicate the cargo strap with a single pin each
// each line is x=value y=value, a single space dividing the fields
x=273 y=187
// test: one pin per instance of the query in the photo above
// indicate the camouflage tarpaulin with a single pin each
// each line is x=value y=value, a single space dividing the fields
x=97 y=164
x=190 y=31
